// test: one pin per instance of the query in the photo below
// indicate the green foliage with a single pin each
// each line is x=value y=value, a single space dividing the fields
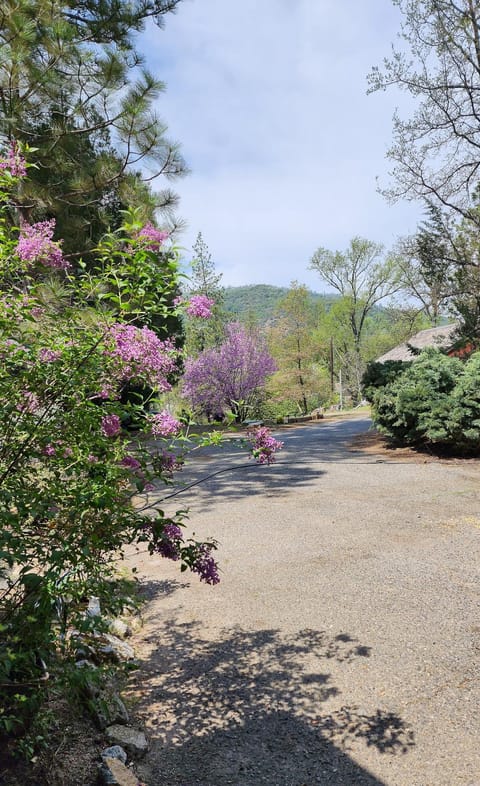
x=132 y=281
x=416 y=406
x=201 y=334
x=363 y=277
x=300 y=377
x=73 y=86
x=259 y=301
x=464 y=416
x=68 y=473
x=378 y=375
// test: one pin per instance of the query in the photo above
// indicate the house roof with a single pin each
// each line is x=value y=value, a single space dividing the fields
x=441 y=337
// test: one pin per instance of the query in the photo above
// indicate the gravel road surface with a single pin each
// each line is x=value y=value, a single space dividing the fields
x=342 y=645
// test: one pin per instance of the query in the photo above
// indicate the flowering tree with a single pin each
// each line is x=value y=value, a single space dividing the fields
x=231 y=377
x=75 y=487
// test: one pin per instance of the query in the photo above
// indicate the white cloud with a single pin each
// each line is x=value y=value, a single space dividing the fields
x=269 y=102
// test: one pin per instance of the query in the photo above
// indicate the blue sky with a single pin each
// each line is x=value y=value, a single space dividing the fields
x=268 y=100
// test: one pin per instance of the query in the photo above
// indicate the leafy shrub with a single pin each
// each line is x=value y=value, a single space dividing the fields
x=378 y=375
x=464 y=416
x=74 y=484
x=415 y=407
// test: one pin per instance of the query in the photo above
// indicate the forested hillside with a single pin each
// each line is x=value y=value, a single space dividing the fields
x=258 y=301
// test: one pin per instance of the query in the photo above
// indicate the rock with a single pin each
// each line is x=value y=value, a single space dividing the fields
x=114 y=773
x=93 y=608
x=84 y=652
x=132 y=740
x=119 y=628
x=109 y=709
x=114 y=752
x=113 y=648
x=85 y=664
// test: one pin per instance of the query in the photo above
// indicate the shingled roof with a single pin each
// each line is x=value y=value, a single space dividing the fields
x=441 y=337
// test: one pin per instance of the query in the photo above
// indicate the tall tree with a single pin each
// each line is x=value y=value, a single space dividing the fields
x=73 y=86
x=300 y=376
x=204 y=280
x=363 y=277
x=426 y=267
x=435 y=153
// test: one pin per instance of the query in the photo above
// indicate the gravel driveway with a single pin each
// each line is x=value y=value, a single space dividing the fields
x=342 y=645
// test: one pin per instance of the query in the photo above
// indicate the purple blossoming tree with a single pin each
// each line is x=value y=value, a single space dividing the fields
x=231 y=377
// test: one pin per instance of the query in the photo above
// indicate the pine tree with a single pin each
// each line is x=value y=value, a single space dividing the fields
x=204 y=280
x=73 y=86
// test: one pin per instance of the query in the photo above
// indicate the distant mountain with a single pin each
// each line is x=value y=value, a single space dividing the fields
x=258 y=301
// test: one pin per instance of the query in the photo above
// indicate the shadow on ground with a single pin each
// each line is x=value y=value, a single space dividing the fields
x=249 y=708
x=227 y=473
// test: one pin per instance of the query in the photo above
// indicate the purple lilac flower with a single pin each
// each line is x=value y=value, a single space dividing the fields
x=151 y=237
x=143 y=355
x=48 y=355
x=110 y=425
x=200 y=306
x=36 y=244
x=30 y=403
x=67 y=453
x=205 y=565
x=92 y=459
x=168 y=462
x=172 y=539
x=130 y=463
x=164 y=425
x=263 y=445
x=106 y=392
x=14 y=161
x=48 y=450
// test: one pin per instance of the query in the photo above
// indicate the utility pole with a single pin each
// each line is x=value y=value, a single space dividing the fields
x=332 y=381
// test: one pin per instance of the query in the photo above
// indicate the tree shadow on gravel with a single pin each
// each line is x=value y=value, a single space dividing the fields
x=227 y=475
x=248 y=708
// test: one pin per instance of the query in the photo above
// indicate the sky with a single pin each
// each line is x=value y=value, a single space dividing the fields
x=268 y=99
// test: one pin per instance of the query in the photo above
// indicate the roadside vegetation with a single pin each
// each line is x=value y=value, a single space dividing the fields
x=110 y=354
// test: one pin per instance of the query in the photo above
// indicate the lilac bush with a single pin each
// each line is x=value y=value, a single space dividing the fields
x=76 y=486
x=229 y=378
x=141 y=356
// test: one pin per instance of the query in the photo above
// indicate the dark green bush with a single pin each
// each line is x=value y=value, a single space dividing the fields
x=464 y=417
x=378 y=375
x=416 y=407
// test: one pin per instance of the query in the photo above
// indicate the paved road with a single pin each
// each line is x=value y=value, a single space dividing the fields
x=342 y=645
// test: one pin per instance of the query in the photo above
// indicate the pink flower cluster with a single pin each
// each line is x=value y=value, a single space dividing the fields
x=130 y=462
x=30 y=403
x=200 y=306
x=46 y=355
x=142 y=355
x=36 y=244
x=14 y=162
x=164 y=425
x=168 y=462
x=110 y=425
x=203 y=564
x=263 y=445
x=151 y=237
